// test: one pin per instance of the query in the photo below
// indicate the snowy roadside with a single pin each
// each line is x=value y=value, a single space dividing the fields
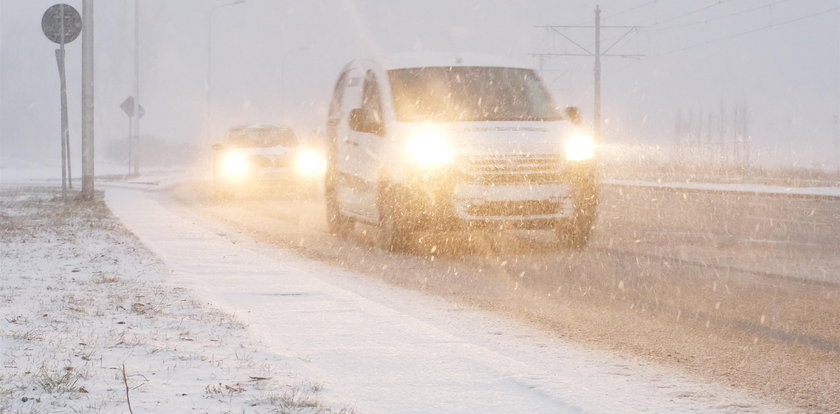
x=761 y=189
x=90 y=324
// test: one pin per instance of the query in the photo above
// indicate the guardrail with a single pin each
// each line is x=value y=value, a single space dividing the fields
x=824 y=193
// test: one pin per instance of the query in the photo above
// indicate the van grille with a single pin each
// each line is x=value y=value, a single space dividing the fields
x=520 y=168
x=514 y=208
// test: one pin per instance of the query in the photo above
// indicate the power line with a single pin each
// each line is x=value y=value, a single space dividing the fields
x=689 y=13
x=736 y=35
x=631 y=9
x=726 y=16
x=597 y=53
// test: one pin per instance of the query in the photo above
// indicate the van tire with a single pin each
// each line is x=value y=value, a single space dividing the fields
x=337 y=223
x=576 y=231
x=574 y=235
x=394 y=235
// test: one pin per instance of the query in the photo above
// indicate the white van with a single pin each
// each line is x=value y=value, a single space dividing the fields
x=438 y=142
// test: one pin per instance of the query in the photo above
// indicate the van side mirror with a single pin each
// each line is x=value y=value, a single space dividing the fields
x=573 y=114
x=360 y=122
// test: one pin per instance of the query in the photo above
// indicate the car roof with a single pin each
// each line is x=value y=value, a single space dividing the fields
x=419 y=60
x=259 y=126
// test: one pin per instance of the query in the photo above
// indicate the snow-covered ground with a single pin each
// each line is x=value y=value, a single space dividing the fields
x=91 y=322
x=388 y=350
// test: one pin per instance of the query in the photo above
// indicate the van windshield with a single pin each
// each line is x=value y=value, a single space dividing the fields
x=469 y=93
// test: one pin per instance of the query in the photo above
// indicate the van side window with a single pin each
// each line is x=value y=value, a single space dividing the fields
x=334 y=113
x=371 y=99
x=338 y=92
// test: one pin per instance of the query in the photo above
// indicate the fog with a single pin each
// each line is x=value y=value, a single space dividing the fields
x=276 y=62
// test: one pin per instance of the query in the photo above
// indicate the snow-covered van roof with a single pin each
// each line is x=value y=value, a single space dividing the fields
x=419 y=60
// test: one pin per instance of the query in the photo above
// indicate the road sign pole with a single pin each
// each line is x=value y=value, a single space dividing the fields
x=87 y=100
x=59 y=58
x=130 y=147
x=61 y=24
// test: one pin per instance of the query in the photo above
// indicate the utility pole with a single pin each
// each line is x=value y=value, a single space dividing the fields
x=597 y=54
x=709 y=147
x=597 y=88
x=135 y=120
x=677 y=137
x=837 y=142
x=209 y=80
x=87 y=100
x=747 y=138
x=721 y=133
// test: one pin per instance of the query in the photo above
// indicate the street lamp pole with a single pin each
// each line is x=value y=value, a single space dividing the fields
x=134 y=139
x=209 y=82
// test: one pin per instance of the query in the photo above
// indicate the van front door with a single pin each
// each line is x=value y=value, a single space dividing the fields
x=365 y=140
x=345 y=151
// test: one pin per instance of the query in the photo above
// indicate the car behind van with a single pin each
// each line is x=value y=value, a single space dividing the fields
x=444 y=142
x=260 y=157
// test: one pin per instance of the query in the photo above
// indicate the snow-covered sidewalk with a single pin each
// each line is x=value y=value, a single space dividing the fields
x=387 y=350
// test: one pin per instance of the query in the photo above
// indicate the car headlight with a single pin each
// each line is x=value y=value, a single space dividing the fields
x=310 y=163
x=235 y=164
x=429 y=149
x=580 y=147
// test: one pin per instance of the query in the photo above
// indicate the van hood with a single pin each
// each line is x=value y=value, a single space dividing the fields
x=500 y=138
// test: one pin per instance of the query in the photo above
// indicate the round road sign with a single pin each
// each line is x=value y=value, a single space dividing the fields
x=51 y=23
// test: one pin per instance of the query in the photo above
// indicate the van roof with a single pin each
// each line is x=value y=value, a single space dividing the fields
x=420 y=60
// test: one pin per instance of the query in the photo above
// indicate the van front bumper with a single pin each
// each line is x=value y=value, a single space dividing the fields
x=445 y=202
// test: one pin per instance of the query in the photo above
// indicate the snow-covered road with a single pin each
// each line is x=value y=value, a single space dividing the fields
x=388 y=350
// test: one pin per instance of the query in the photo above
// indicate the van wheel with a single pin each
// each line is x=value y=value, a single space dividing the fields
x=576 y=231
x=574 y=235
x=337 y=223
x=393 y=235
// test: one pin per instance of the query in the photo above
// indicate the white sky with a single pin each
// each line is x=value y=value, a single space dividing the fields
x=788 y=75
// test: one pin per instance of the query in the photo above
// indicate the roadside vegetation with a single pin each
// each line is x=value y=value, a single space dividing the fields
x=88 y=323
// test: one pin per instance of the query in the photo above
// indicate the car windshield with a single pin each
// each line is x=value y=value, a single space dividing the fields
x=469 y=93
x=262 y=137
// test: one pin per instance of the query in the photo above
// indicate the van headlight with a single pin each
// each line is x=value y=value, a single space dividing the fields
x=429 y=149
x=310 y=163
x=235 y=164
x=580 y=147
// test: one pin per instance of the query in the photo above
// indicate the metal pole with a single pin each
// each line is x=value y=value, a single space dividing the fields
x=597 y=125
x=209 y=81
x=87 y=100
x=746 y=136
x=59 y=58
x=130 y=147
x=208 y=87
x=135 y=118
x=837 y=142
x=65 y=133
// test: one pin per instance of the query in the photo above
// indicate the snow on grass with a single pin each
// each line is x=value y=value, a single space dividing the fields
x=89 y=324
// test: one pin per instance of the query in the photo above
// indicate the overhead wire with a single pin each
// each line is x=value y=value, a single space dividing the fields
x=689 y=13
x=744 y=33
x=631 y=9
x=726 y=16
